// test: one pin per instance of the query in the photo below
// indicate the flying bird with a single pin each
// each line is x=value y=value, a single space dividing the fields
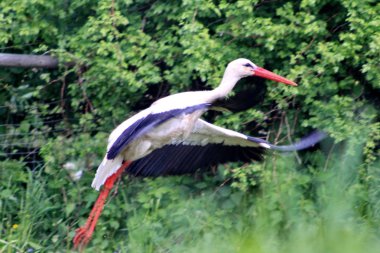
x=169 y=138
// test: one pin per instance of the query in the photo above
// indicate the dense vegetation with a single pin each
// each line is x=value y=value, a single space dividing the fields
x=54 y=123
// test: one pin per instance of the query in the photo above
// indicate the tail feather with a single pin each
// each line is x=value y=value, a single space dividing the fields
x=105 y=170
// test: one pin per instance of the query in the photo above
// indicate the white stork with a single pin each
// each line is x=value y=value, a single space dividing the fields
x=169 y=138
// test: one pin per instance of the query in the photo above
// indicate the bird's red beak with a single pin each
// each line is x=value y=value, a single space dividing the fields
x=272 y=76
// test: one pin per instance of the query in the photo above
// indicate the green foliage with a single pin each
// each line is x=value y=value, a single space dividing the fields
x=295 y=210
x=128 y=48
x=54 y=124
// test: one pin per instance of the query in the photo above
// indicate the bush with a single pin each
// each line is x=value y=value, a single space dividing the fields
x=128 y=54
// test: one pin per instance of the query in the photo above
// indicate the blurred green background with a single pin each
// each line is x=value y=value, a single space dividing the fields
x=127 y=54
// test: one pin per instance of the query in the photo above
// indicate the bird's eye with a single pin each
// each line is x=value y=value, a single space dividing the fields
x=248 y=65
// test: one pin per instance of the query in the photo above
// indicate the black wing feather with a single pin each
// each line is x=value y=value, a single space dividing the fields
x=184 y=159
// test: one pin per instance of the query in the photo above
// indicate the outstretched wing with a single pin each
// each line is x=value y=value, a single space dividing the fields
x=208 y=145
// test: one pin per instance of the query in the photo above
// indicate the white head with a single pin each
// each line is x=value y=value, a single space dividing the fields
x=243 y=67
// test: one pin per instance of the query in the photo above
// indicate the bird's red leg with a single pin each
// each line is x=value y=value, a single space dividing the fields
x=84 y=233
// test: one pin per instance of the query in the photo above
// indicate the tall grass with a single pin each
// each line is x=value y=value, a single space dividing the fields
x=320 y=206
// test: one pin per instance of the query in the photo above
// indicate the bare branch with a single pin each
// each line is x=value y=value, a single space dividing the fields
x=28 y=61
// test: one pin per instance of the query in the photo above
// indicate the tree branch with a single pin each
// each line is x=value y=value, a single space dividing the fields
x=28 y=61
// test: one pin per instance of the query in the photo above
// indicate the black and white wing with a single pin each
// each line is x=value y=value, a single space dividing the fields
x=132 y=129
x=208 y=145
x=143 y=125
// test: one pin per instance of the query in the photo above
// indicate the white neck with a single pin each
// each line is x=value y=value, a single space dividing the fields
x=226 y=85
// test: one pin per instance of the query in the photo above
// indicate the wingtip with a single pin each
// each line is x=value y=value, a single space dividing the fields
x=306 y=142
